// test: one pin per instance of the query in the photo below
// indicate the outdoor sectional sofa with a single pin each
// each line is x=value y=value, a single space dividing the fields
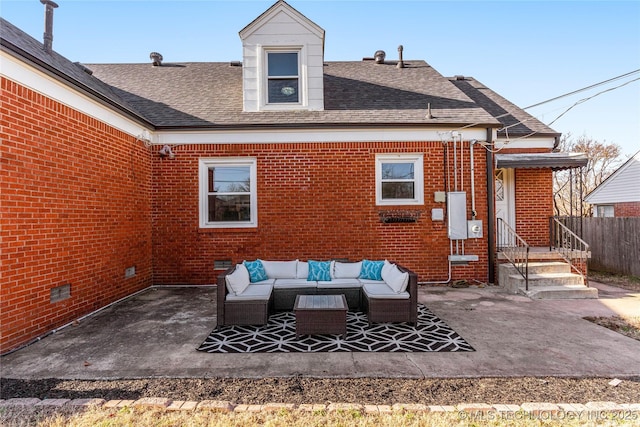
x=250 y=291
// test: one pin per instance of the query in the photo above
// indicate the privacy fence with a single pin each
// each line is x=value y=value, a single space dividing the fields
x=614 y=242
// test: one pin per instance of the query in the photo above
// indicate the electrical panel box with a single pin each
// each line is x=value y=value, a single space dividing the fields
x=437 y=214
x=457 y=215
x=474 y=229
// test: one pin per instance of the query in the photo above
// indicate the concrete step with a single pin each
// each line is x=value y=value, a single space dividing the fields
x=560 y=292
x=540 y=267
x=548 y=279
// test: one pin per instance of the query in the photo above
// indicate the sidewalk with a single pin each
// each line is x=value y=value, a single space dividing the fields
x=155 y=334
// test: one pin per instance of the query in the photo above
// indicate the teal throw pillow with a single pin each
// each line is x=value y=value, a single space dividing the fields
x=319 y=270
x=256 y=271
x=371 y=270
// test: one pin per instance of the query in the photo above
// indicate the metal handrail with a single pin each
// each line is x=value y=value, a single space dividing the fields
x=569 y=245
x=514 y=248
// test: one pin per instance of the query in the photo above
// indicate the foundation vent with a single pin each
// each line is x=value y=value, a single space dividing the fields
x=222 y=264
x=60 y=293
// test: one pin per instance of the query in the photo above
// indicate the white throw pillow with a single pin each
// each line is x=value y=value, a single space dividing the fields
x=280 y=269
x=396 y=279
x=238 y=281
x=386 y=267
x=347 y=270
x=303 y=270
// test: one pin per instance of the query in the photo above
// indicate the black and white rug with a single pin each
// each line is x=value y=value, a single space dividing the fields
x=279 y=336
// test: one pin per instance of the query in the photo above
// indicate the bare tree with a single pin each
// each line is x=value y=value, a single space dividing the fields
x=568 y=185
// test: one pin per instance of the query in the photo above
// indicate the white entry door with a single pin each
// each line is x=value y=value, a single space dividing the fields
x=505 y=197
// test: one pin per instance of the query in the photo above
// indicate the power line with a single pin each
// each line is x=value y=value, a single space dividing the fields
x=583 y=89
x=590 y=97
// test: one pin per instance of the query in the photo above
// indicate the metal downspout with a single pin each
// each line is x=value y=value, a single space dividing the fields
x=490 y=210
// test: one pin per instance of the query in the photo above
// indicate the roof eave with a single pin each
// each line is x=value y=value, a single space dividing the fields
x=62 y=77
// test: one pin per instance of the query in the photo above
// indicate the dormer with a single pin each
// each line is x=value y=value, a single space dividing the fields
x=283 y=55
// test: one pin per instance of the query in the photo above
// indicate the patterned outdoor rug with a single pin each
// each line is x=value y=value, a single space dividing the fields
x=279 y=336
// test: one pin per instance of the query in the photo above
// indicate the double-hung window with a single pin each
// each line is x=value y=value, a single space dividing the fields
x=283 y=77
x=228 y=193
x=399 y=179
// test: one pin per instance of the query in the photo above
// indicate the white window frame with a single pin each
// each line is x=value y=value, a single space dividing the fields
x=264 y=81
x=204 y=165
x=418 y=178
x=607 y=211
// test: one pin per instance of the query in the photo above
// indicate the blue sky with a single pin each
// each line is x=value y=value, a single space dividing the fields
x=526 y=51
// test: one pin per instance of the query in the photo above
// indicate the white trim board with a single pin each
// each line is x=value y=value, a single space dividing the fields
x=25 y=75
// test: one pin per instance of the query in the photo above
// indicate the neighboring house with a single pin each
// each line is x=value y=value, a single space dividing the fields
x=619 y=194
x=119 y=176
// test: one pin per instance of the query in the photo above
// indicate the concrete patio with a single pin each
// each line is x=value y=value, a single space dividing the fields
x=155 y=334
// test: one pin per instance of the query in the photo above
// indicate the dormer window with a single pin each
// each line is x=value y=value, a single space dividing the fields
x=283 y=77
x=282 y=62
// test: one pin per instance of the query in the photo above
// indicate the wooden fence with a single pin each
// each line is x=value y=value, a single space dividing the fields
x=614 y=242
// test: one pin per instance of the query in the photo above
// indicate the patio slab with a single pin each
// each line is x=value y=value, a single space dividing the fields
x=156 y=332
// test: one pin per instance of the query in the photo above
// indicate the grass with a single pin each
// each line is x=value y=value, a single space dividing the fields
x=97 y=417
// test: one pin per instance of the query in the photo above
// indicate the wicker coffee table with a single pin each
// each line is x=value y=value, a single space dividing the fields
x=321 y=314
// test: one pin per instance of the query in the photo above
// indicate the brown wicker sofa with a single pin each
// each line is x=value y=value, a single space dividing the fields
x=253 y=304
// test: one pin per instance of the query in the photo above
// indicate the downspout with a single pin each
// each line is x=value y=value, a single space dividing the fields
x=490 y=209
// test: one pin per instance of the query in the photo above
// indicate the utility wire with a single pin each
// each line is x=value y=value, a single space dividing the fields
x=583 y=89
x=590 y=97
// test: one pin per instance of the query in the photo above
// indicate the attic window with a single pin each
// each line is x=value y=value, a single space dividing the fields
x=283 y=77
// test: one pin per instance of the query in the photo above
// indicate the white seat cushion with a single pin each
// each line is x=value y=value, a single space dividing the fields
x=382 y=291
x=346 y=270
x=339 y=283
x=294 y=284
x=237 y=281
x=372 y=282
x=280 y=269
x=269 y=282
x=252 y=293
x=396 y=279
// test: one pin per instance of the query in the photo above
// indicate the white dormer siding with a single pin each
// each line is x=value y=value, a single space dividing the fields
x=282 y=29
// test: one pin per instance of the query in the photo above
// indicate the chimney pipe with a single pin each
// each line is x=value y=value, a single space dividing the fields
x=48 y=24
x=400 y=62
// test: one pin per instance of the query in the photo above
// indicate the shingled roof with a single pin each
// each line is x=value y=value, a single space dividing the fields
x=208 y=95
x=18 y=43
x=359 y=93
x=514 y=120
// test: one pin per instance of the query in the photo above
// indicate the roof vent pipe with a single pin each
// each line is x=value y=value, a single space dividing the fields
x=379 y=56
x=48 y=24
x=400 y=61
x=156 y=59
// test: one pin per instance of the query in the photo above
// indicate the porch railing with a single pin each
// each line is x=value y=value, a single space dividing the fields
x=514 y=249
x=570 y=246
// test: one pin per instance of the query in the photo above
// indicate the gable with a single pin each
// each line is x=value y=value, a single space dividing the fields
x=621 y=186
x=281 y=19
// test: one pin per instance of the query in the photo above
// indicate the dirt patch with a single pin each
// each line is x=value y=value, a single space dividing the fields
x=631 y=283
x=299 y=390
x=628 y=326
x=625 y=325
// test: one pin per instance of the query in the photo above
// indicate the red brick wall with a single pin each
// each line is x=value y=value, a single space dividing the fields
x=534 y=204
x=315 y=201
x=76 y=210
x=626 y=209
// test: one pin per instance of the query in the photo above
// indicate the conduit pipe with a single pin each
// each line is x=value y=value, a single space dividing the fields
x=447 y=188
x=473 y=180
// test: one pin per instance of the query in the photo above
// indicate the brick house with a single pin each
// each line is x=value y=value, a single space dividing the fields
x=116 y=177
x=619 y=194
